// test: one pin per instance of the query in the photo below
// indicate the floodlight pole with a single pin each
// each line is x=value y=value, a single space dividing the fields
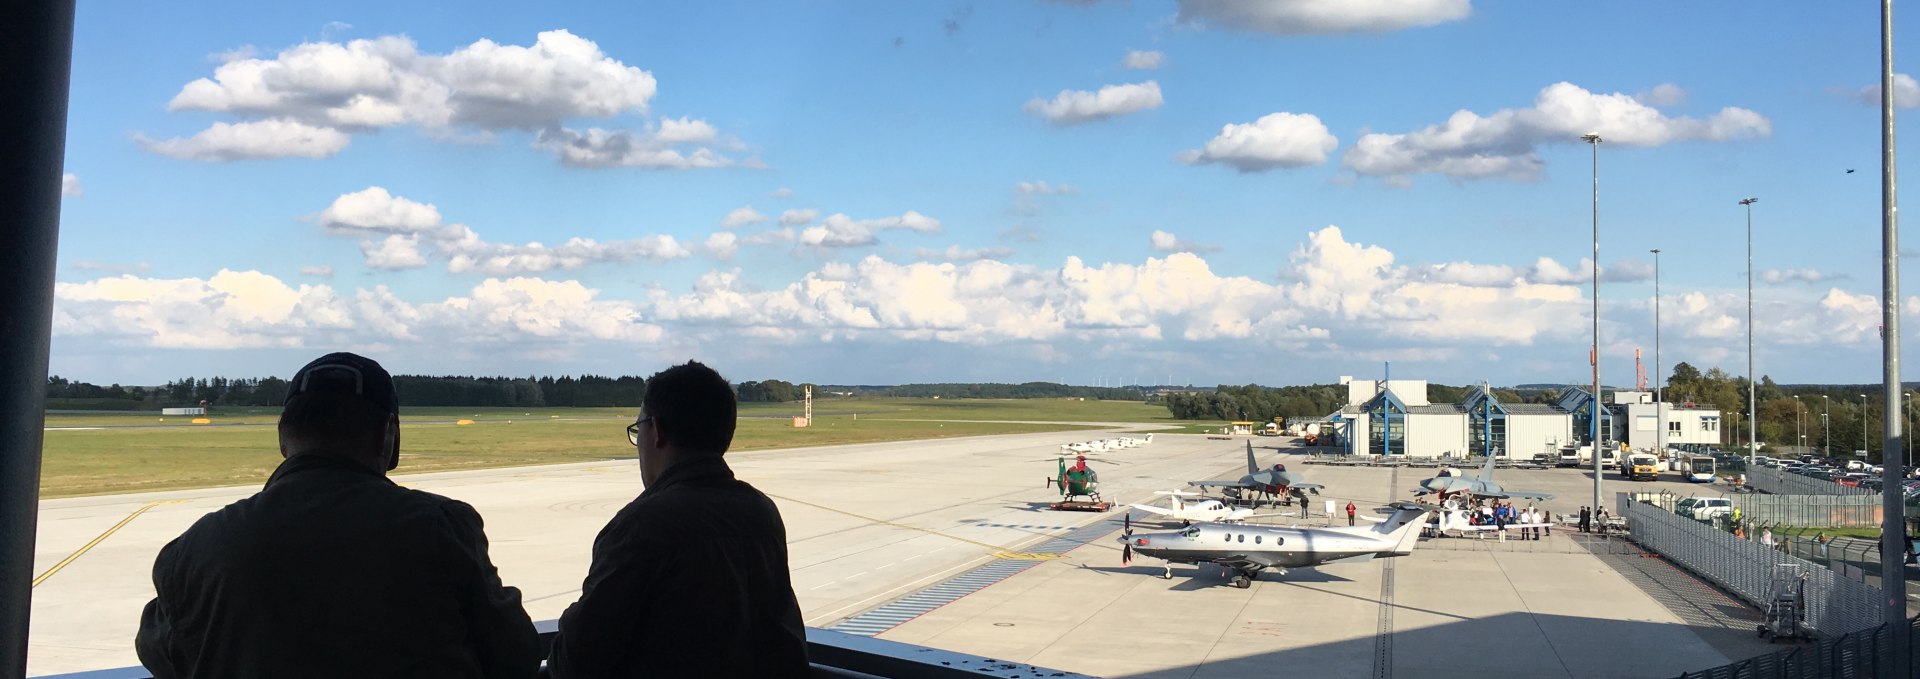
x=1593 y=408
x=1753 y=404
x=1659 y=378
x=1893 y=546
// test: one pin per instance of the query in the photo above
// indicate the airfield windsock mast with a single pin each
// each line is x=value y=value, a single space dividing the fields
x=809 y=406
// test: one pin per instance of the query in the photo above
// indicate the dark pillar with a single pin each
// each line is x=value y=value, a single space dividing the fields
x=36 y=44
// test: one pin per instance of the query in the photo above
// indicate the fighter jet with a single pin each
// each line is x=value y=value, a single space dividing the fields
x=1473 y=486
x=1246 y=550
x=1264 y=483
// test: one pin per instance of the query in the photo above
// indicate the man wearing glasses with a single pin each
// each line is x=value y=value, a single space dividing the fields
x=690 y=578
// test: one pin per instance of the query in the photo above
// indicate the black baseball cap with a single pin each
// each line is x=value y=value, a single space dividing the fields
x=345 y=373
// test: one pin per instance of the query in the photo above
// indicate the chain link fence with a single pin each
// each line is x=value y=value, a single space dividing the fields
x=1859 y=654
x=1835 y=605
x=1821 y=511
x=1782 y=483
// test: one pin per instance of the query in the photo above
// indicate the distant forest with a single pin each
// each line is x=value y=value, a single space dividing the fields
x=524 y=392
x=1828 y=416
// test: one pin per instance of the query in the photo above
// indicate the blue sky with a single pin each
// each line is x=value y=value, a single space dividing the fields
x=1276 y=192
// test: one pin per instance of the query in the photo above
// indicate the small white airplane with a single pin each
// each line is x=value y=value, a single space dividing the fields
x=1246 y=550
x=1460 y=522
x=1211 y=511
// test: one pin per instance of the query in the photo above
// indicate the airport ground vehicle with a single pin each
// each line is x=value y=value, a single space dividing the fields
x=1569 y=457
x=1640 y=467
x=1698 y=468
x=1703 y=508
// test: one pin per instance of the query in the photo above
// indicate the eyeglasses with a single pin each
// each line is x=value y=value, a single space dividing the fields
x=633 y=430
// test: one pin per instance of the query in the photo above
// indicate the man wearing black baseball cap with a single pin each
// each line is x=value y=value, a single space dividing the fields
x=333 y=570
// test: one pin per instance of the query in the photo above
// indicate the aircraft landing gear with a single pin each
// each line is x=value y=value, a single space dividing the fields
x=1167 y=575
x=1242 y=581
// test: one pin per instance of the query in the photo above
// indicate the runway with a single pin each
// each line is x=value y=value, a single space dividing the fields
x=870 y=524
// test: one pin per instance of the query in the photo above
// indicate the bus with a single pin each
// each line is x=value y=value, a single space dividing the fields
x=1698 y=469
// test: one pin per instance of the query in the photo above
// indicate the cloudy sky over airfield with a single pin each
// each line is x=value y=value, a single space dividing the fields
x=1087 y=191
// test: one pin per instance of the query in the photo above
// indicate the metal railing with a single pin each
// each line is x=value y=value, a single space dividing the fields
x=1835 y=605
x=1782 y=483
x=1817 y=511
x=833 y=655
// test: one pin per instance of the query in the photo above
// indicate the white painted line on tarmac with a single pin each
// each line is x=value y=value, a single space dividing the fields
x=916 y=556
x=824 y=584
x=882 y=568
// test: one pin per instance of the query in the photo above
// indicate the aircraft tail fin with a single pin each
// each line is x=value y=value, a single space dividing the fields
x=1251 y=467
x=1403 y=527
x=1486 y=470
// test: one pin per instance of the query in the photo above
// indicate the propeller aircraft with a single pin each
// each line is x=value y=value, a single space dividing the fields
x=1246 y=550
x=1264 y=483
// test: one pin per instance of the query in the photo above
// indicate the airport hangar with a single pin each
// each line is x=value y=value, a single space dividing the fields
x=1394 y=418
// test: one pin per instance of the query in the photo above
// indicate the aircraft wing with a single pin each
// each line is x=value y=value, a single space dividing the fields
x=1524 y=495
x=1315 y=487
x=1235 y=561
x=1217 y=484
x=1153 y=510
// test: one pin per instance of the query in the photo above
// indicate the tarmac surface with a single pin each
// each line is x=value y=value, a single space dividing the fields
x=869 y=524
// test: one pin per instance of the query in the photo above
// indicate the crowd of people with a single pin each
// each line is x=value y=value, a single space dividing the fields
x=1533 y=522
x=333 y=570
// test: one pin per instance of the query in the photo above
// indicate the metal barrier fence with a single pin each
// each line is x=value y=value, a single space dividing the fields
x=1781 y=483
x=1859 y=654
x=1835 y=605
x=1819 y=511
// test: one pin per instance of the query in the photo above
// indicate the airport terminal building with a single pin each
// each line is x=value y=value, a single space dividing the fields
x=1394 y=417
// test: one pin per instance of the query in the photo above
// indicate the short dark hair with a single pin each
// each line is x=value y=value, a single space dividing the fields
x=693 y=407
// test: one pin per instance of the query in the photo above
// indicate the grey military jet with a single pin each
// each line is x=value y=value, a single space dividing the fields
x=1263 y=484
x=1246 y=550
x=1472 y=486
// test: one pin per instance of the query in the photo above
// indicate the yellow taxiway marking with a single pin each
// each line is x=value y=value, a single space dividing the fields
x=996 y=549
x=103 y=536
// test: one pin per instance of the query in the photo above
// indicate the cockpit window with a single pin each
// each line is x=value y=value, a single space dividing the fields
x=1191 y=532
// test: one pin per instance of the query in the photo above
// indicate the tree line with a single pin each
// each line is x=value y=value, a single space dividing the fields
x=523 y=392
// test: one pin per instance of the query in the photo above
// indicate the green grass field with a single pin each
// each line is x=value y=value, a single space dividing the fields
x=130 y=452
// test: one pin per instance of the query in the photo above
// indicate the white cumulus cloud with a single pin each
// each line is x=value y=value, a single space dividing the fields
x=1782 y=276
x=1309 y=17
x=271 y=138
x=799 y=216
x=374 y=210
x=1906 y=92
x=1072 y=107
x=743 y=216
x=1503 y=145
x=1276 y=140
x=394 y=253
x=841 y=231
x=70 y=186
x=1144 y=60
x=321 y=271
x=1163 y=241
x=1042 y=188
x=310 y=99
